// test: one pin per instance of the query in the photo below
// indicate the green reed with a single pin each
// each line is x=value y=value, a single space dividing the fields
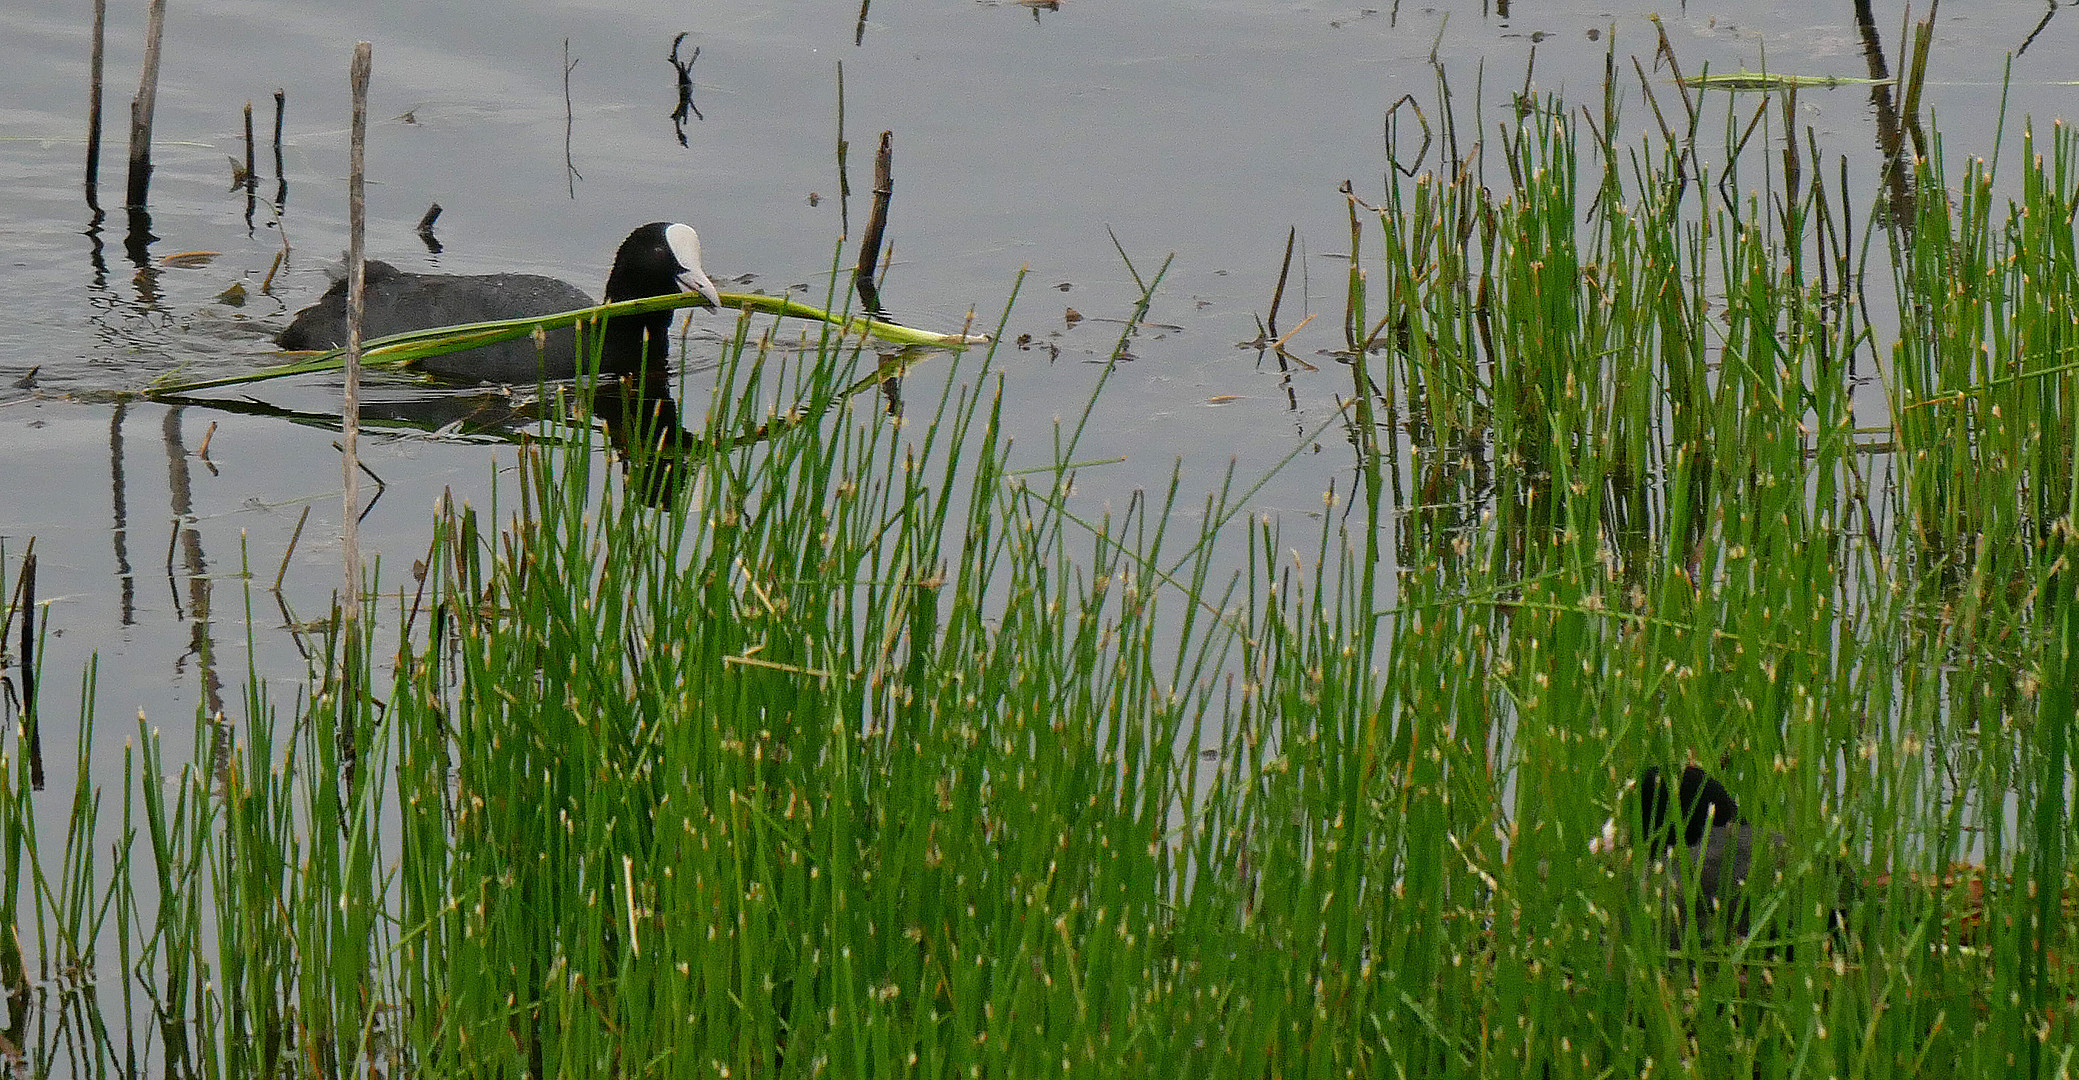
x=1654 y=520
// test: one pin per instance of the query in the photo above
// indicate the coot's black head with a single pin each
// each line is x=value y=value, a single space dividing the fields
x=660 y=259
x=1705 y=804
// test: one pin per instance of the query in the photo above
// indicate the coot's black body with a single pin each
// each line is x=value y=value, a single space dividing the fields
x=658 y=259
x=1723 y=853
x=1720 y=846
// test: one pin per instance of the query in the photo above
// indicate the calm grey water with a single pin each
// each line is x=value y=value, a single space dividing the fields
x=1025 y=137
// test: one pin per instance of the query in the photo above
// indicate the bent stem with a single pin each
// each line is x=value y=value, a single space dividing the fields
x=400 y=351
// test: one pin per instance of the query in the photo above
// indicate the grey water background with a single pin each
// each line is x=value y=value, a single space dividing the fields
x=1027 y=137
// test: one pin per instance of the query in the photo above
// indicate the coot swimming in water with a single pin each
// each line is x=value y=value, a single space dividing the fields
x=659 y=259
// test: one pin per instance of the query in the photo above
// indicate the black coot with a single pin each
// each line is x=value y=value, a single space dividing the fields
x=1724 y=852
x=659 y=259
x=1720 y=847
